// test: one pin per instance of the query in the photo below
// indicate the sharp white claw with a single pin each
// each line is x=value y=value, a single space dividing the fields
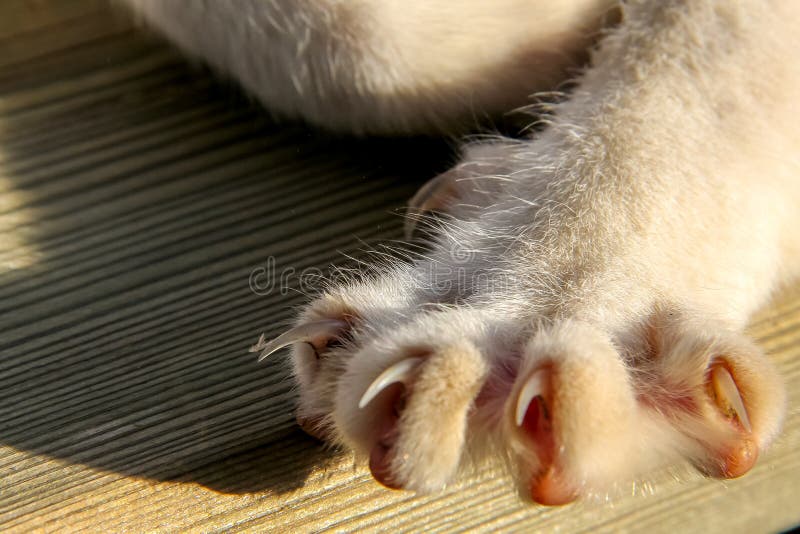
x=728 y=396
x=308 y=332
x=536 y=385
x=399 y=372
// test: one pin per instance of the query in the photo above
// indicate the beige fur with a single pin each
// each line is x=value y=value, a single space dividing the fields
x=619 y=252
x=384 y=66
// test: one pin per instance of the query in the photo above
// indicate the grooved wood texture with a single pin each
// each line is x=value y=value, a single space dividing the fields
x=137 y=196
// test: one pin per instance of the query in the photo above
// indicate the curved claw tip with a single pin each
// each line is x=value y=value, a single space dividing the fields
x=434 y=194
x=535 y=386
x=727 y=396
x=399 y=372
x=259 y=346
x=307 y=332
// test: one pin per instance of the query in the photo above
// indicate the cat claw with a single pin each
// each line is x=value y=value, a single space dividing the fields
x=434 y=195
x=399 y=372
x=536 y=386
x=727 y=397
x=308 y=333
x=739 y=456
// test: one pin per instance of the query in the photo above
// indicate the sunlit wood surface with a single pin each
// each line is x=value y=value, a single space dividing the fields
x=137 y=196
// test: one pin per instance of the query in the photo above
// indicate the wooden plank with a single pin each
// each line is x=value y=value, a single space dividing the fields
x=36 y=16
x=36 y=28
x=136 y=197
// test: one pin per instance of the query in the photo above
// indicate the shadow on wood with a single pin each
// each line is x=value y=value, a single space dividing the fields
x=145 y=195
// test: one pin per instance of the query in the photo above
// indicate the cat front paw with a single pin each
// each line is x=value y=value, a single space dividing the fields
x=574 y=408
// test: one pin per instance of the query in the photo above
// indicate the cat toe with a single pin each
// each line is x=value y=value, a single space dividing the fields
x=329 y=331
x=316 y=344
x=406 y=407
x=534 y=418
x=722 y=392
x=571 y=415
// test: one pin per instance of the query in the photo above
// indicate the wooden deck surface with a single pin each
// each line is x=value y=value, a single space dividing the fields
x=137 y=196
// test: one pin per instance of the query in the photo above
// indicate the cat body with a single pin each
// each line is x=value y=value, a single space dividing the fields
x=580 y=312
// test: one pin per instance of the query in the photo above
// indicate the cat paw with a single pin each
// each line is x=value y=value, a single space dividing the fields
x=584 y=338
x=576 y=409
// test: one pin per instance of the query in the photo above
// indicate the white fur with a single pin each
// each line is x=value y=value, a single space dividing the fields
x=388 y=65
x=625 y=245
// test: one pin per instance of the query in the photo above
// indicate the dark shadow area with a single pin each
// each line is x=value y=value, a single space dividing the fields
x=140 y=194
x=279 y=466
